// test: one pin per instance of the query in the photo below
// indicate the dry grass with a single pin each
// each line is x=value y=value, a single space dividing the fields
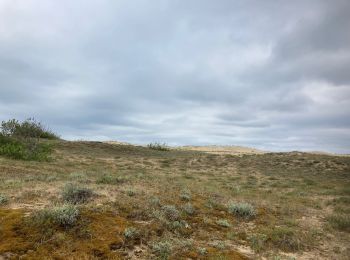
x=175 y=204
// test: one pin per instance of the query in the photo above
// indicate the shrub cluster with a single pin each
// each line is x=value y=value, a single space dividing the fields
x=158 y=146
x=21 y=140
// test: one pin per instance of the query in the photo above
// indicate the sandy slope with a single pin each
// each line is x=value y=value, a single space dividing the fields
x=234 y=150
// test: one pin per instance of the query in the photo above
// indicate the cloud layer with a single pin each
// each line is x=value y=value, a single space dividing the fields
x=269 y=74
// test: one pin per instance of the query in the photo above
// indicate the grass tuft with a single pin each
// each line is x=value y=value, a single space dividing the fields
x=340 y=222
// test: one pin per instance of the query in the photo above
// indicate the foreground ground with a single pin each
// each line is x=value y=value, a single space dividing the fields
x=148 y=204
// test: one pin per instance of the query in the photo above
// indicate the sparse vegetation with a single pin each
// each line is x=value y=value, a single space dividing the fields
x=173 y=205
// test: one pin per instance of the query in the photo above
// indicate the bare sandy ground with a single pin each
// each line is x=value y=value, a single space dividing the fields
x=215 y=149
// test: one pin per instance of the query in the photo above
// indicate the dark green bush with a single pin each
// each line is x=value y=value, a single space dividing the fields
x=24 y=150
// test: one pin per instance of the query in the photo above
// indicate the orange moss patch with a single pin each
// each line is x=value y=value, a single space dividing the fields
x=10 y=228
x=96 y=235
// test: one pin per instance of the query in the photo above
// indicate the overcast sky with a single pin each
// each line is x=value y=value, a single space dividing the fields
x=270 y=74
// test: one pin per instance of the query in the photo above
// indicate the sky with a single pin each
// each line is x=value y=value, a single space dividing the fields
x=269 y=74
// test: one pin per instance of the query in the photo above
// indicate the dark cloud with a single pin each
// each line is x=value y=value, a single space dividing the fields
x=269 y=74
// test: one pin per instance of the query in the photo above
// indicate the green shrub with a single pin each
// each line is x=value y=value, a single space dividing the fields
x=340 y=222
x=158 y=146
x=75 y=194
x=244 y=210
x=3 y=199
x=64 y=216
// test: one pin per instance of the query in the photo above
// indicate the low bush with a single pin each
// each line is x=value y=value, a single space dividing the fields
x=76 y=195
x=64 y=216
x=244 y=210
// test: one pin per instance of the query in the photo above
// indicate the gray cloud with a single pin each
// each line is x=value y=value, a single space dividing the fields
x=268 y=74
